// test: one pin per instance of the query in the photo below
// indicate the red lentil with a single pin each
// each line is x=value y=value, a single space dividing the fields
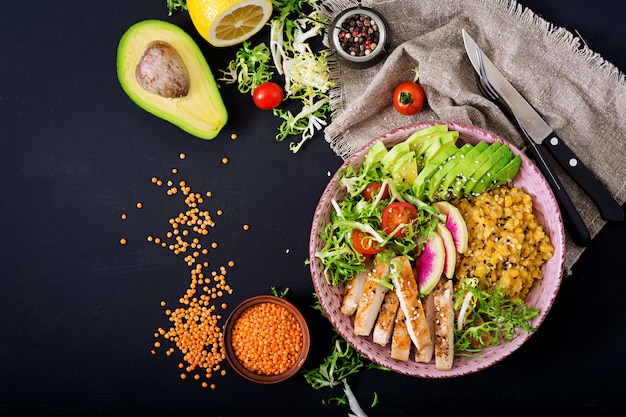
x=194 y=329
x=267 y=339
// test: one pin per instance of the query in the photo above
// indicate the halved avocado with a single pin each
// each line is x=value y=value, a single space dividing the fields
x=163 y=71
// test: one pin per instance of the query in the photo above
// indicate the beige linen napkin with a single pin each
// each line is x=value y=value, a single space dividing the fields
x=579 y=94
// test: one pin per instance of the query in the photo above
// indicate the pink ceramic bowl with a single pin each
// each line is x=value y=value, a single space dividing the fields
x=541 y=296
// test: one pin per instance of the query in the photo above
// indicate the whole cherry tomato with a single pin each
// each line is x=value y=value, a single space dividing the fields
x=396 y=214
x=268 y=96
x=408 y=98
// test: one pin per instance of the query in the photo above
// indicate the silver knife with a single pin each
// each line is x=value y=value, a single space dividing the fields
x=537 y=130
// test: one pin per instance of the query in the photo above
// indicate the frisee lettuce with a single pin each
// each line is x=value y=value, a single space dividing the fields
x=251 y=67
x=175 y=6
x=491 y=318
x=335 y=368
x=340 y=258
x=307 y=79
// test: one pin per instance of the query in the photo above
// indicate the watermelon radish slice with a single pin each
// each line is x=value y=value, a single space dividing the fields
x=455 y=223
x=450 y=248
x=430 y=263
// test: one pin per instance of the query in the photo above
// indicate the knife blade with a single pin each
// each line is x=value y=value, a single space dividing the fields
x=534 y=127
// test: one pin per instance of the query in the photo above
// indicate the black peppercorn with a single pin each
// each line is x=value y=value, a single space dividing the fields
x=359 y=35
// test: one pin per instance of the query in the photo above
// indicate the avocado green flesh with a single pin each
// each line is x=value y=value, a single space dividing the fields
x=422 y=135
x=375 y=153
x=201 y=112
x=501 y=159
x=432 y=165
x=472 y=165
x=444 y=169
x=434 y=144
x=404 y=171
x=498 y=151
x=508 y=172
x=394 y=154
x=457 y=172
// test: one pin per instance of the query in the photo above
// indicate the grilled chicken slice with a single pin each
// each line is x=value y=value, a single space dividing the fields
x=386 y=318
x=370 y=301
x=352 y=293
x=400 y=340
x=426 y=355
x=406 y=289
x=444 y=324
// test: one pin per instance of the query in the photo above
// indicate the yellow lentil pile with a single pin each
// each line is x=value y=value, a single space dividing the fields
x=507 y=244
x=267 y=339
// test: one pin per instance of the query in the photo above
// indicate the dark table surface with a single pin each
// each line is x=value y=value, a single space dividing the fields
x=79 y=310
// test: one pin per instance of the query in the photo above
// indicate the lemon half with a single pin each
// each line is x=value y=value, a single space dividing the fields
x=228 y=22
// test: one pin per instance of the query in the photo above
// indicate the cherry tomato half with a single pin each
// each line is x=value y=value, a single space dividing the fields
x=398 y=213
x=371 y=191
x=408 y=98
x=365 y=243
x=268 y=96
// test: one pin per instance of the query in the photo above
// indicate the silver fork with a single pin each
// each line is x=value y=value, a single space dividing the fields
x=574 y=223
x=484 y=85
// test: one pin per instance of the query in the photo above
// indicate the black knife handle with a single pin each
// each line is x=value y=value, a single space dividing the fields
x=609 y=208
x=573 y=222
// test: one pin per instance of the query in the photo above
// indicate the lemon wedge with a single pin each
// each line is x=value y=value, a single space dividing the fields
x=228 y=22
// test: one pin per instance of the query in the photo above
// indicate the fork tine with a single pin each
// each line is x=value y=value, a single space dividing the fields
x=487 y=88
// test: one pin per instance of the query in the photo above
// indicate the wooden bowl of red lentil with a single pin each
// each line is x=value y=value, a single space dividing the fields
x=266 y=339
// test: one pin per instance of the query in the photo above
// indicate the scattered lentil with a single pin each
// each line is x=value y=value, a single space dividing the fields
x=123 y=241
x=233 y=136
x=194 y=325
x=224 y=160
x=123 y=216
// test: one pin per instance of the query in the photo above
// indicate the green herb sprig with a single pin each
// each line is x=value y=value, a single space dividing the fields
x=175 y=6
x=493 y=318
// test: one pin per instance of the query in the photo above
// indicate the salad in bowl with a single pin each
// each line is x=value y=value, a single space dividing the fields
x=437 y=249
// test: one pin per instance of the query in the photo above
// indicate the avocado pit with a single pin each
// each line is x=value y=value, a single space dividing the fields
x=161 y=71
